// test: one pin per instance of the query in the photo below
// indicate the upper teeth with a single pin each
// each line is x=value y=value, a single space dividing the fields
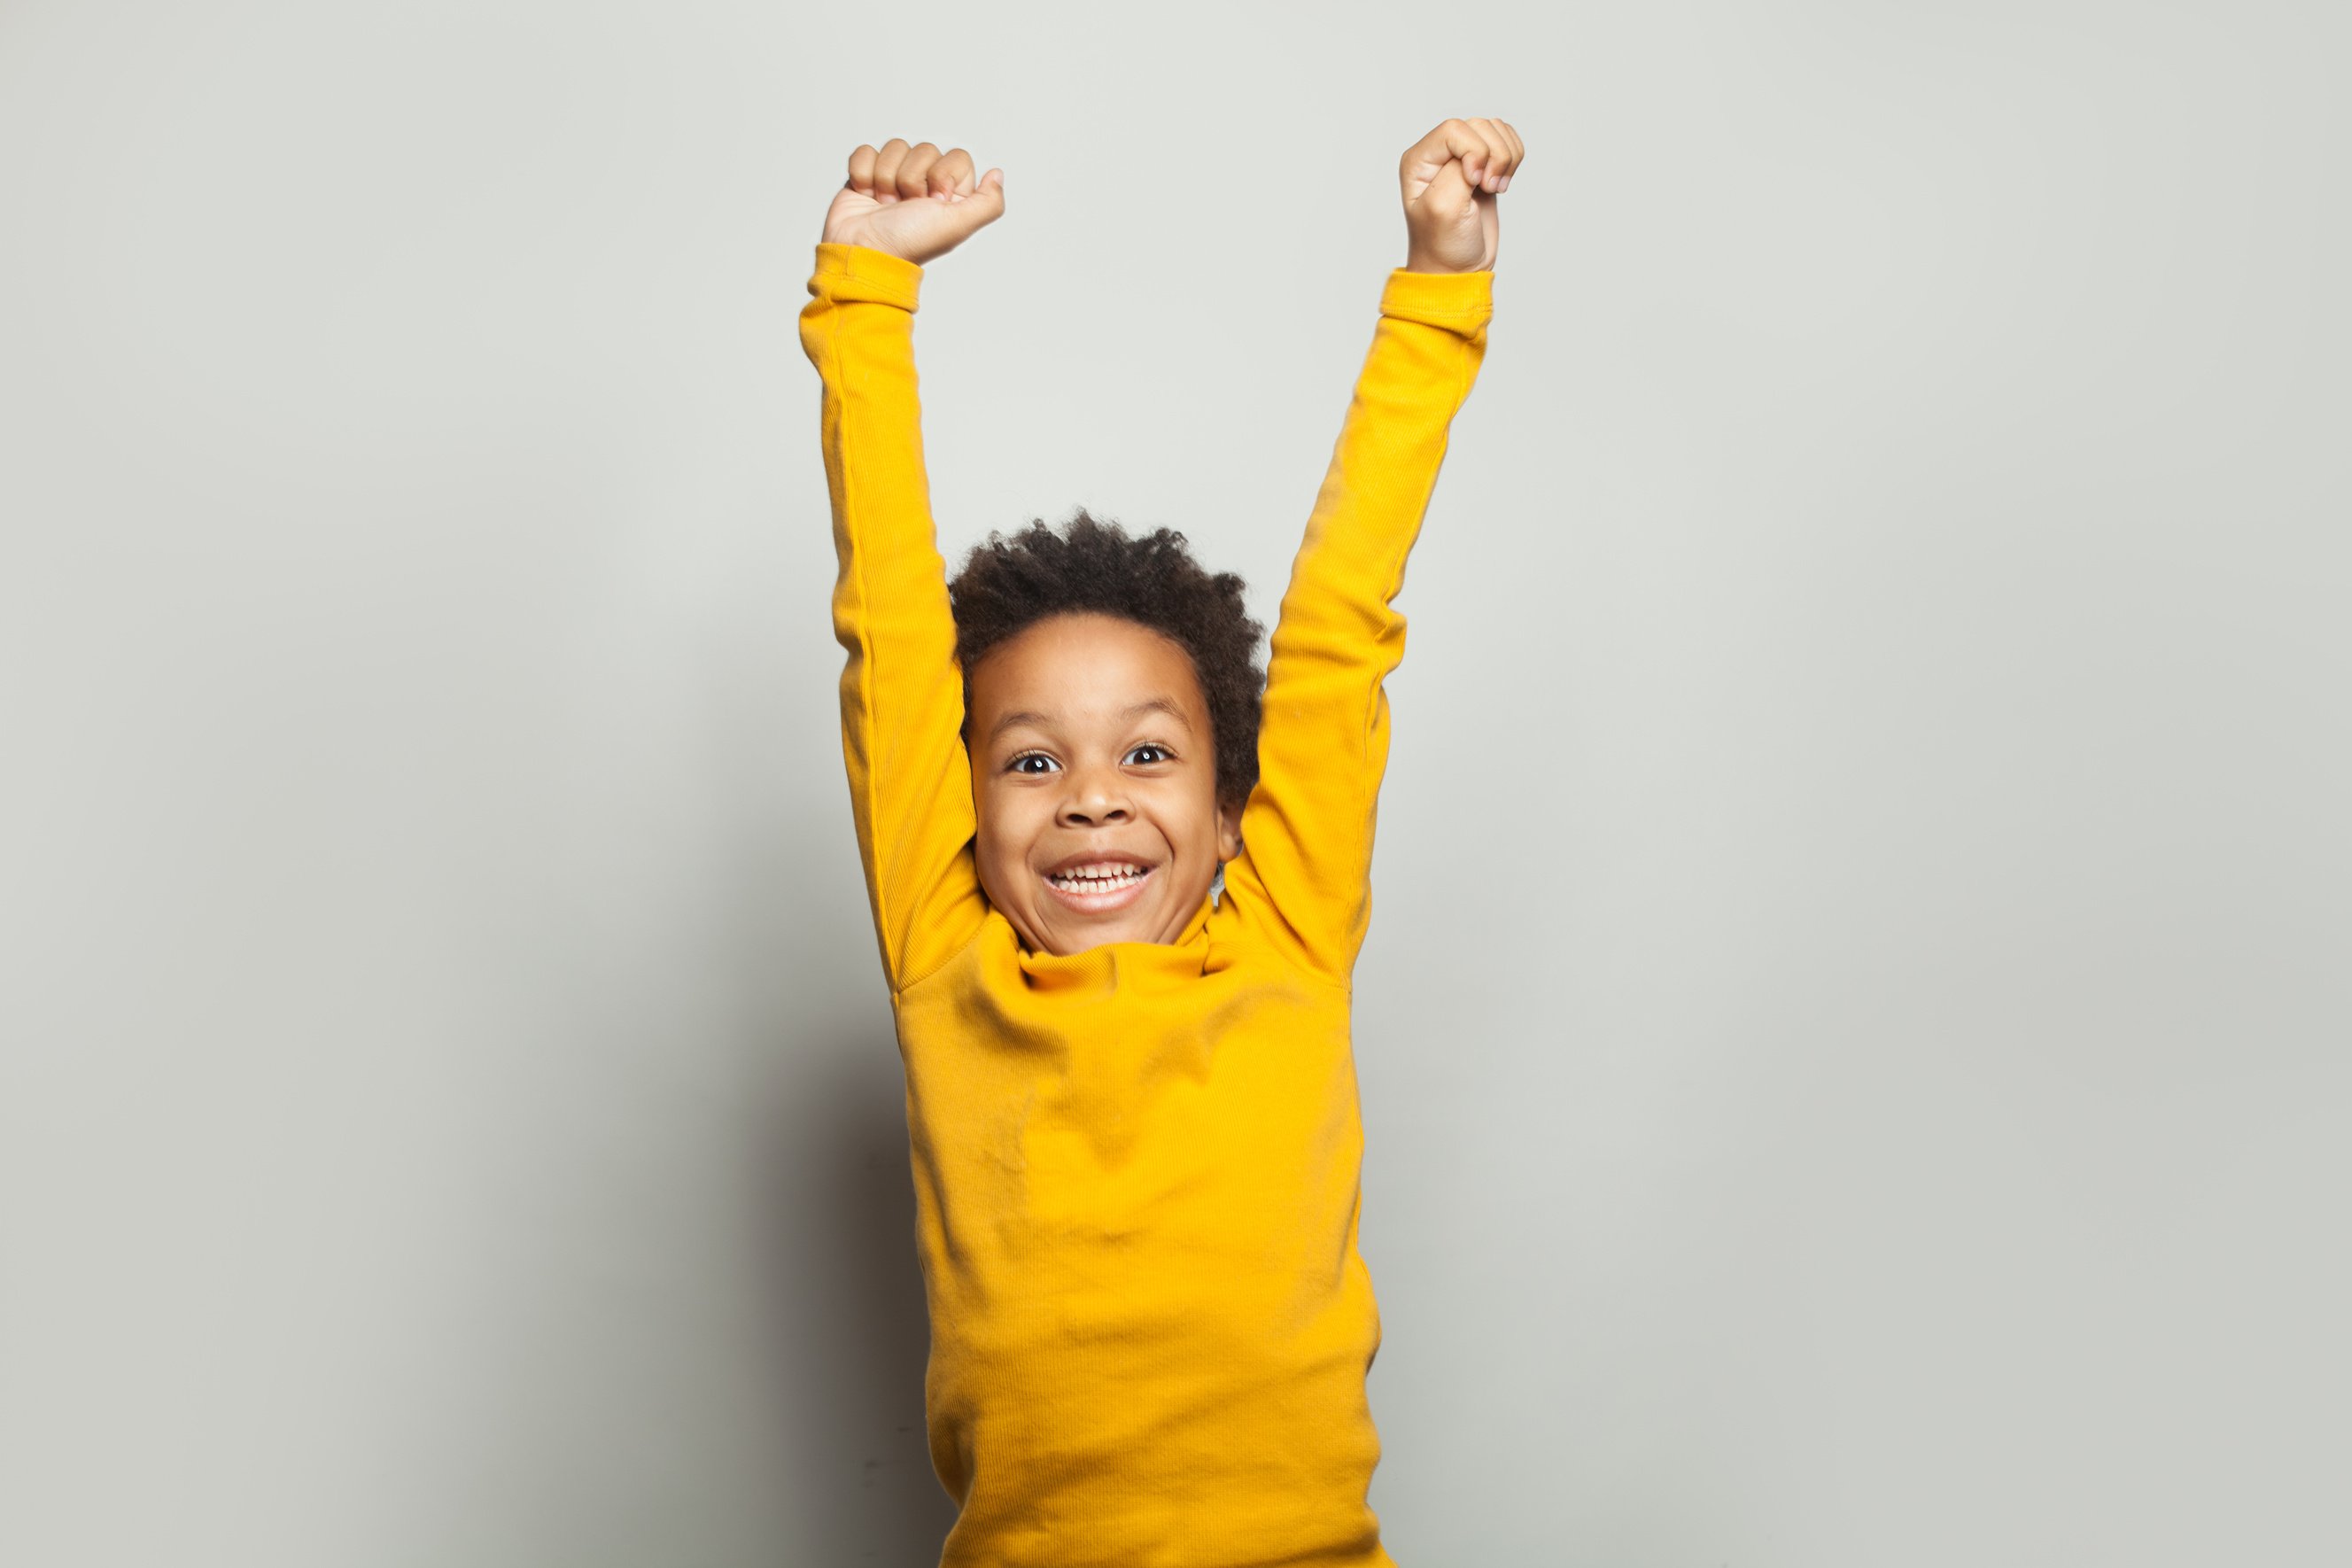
x=1105 y=875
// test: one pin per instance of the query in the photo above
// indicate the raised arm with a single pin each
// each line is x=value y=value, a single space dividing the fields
x=901 y=701
x=1304 y=872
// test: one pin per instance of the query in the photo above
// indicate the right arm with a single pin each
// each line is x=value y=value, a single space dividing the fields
x=901 y=700
x=901 y=692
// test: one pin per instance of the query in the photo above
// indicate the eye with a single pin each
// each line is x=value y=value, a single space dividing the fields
x=1022 y=763
x=1147 y=754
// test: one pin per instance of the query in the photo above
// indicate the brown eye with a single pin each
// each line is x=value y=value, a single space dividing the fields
x=1144 y=756
x=1019 y=764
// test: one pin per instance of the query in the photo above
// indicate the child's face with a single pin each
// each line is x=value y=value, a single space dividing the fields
x=1092 y=752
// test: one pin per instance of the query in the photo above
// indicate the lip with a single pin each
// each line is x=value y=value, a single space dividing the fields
x=1096 y=903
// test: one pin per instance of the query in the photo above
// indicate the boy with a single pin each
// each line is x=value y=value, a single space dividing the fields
x=1130 y=1093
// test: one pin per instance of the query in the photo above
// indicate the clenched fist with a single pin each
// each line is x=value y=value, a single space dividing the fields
x=1451 y=178
x=913 y=203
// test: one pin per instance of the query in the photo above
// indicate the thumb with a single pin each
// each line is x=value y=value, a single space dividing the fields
x=985 y=205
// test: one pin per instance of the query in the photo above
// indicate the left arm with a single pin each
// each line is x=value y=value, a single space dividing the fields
x=1307 y=832
x=1305 y=867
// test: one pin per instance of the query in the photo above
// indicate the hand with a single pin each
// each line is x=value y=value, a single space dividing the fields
x=912 y=202
x=1451 y=178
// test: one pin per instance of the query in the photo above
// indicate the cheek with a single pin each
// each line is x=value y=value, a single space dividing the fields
x=1188 y=819
x=1008 y=822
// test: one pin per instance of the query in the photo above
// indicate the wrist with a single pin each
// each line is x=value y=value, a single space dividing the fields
x=1423 y=264
x=868 y=245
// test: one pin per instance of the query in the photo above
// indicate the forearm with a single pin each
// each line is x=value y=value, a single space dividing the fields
x=859 y=330
x=1427 y=348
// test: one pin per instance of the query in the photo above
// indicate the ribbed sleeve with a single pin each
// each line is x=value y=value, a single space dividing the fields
x=1305 y=870
x=901 y=695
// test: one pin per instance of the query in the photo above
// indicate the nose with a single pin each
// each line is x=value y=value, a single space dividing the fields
x=1094 y=797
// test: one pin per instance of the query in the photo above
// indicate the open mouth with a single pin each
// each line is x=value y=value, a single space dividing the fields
x=1095 y=886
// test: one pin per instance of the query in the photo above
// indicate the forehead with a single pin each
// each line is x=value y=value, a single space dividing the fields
x=1084 y=667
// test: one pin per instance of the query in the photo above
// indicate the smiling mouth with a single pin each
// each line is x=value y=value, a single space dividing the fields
x=1098 y=886
x=1100 y=877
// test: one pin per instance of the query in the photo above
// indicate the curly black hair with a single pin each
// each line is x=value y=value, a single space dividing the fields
x=1009 y=584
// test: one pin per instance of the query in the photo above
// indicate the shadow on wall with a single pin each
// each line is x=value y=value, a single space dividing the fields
x=845 y=1333
x=849 y=1309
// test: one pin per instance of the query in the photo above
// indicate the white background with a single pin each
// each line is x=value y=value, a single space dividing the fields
x=1854 y=1039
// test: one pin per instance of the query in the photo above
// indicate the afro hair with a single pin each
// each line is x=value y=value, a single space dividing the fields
x=1008 y=583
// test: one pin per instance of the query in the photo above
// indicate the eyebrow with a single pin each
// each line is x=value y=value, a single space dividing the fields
x=1167 y=705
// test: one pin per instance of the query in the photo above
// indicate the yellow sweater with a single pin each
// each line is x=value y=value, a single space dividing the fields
x=1136 y=1168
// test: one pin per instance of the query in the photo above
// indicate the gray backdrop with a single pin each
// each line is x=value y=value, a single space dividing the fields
x=1853 y=1037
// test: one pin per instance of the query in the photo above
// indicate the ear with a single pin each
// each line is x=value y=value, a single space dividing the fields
x=1229 y=833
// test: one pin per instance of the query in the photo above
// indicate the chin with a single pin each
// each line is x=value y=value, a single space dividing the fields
x=1068 y=933
x=1067 y=939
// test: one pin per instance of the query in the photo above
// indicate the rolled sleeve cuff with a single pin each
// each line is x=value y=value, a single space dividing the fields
x=847 y=273
x=1457 y=301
